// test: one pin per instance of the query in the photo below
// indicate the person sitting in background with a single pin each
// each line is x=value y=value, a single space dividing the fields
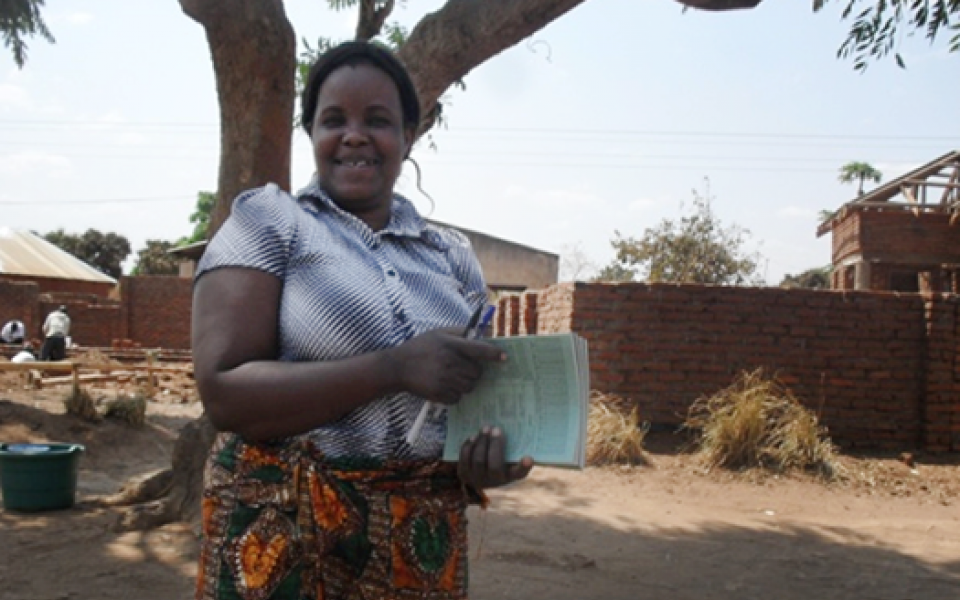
x=25 y=355
x=12 y=332
x=56 y=328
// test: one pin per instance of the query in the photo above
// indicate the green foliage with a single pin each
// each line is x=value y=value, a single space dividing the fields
x=307 y=57
x=21 y=19
x=614 y=273
x=201 y=217
x=878 y=26
x=104 y=252
x=697 y=249
x=156 y=260
x=817 y=278
x=392 y=34
x=859 y=171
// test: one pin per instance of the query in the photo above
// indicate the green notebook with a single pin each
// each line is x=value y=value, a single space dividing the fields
x=539 y=398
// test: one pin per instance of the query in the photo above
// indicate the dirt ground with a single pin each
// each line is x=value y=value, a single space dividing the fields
x=664 y=530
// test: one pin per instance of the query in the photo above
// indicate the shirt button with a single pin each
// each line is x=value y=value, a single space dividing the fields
x=391 y=273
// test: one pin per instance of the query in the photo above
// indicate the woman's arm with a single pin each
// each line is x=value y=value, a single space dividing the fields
x=244 y=388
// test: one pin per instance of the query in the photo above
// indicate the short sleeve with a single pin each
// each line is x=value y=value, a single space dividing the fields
x=258 y=234
x=466 y=266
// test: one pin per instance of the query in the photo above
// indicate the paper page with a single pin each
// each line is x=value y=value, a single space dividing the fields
x=536 y=397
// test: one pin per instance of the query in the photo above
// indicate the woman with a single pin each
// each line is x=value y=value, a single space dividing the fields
x=321 y=324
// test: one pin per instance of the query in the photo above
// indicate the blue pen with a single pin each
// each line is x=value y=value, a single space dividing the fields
x=478 y=325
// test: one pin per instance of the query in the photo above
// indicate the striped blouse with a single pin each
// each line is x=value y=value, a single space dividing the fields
x=349 y=290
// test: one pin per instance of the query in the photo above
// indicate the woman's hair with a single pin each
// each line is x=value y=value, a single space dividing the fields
x=351 y=54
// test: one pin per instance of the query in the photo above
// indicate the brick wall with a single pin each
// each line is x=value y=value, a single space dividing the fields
x=902 y=236
x=157 y=310
x=846 y=237
x=879 y=368
x=154 y=311
x=941 y=409
x=93 y=320
x=18 y=301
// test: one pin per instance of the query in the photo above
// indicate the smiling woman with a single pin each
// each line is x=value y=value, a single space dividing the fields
x=322 y=324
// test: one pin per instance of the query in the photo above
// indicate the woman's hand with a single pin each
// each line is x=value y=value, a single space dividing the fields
x=482 y=463
x=441 y=365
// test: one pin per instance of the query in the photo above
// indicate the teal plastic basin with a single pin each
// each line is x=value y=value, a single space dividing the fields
x=35 y=477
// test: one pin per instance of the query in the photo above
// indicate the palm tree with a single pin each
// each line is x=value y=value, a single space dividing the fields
x=859 y=171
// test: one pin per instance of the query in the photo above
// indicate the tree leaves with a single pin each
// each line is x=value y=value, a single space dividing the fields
x=860 y=172
x=104 y=252
x=877 y=29
x=695 y=249
x=20 y=19
x=156 y=260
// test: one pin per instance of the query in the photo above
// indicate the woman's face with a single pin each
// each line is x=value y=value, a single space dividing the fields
x=359 y=141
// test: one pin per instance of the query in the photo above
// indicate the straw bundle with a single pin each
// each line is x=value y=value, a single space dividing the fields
x=757 y=422
x=614 y=434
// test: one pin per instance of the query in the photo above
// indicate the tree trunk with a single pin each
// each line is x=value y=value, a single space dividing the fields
x=253 y=48
x=173 y=494
x=254 y=59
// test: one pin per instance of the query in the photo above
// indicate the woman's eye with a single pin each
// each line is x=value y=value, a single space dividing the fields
x=379 y=122
x=331 y=121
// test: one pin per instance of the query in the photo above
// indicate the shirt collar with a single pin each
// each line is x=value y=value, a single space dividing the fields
x=405 y=221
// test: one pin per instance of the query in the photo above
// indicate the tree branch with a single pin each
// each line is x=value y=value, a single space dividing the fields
x=447 y=44
x=718 y=5
x=372 y=19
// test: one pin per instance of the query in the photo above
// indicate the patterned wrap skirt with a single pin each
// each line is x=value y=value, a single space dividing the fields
x=282 y=522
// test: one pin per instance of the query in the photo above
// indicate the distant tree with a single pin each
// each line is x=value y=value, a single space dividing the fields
x=879 y=26
x=613 y=273
x=20 y=19
x=697 y=249
x=201 y=218
x=575 y=264
x=859 y=172
x=156 y=260
x=104 y=252
x=817 y=278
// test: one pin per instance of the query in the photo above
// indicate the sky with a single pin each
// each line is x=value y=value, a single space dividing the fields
x=605 y=121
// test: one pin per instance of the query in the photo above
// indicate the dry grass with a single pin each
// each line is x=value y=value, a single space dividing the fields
x=79 y=402
x=130 y=409
x=614 y=433
x=94 y=357
x=757 y=422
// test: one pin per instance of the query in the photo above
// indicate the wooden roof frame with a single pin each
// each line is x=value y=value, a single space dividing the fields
x=938 y=178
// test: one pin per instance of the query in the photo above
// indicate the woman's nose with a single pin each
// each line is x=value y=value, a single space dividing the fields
x=354 y=135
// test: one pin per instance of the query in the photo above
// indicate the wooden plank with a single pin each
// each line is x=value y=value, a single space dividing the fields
x=937 y=184
x=908 y=194
x=37 y=366
x=88 y=378
x=128 y=367
x=949 y=187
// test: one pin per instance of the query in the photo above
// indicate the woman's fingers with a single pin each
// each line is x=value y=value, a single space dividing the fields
x=520 y=470
x=483 y=461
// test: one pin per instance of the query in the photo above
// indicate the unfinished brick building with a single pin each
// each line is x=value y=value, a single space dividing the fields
x=903 y=236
